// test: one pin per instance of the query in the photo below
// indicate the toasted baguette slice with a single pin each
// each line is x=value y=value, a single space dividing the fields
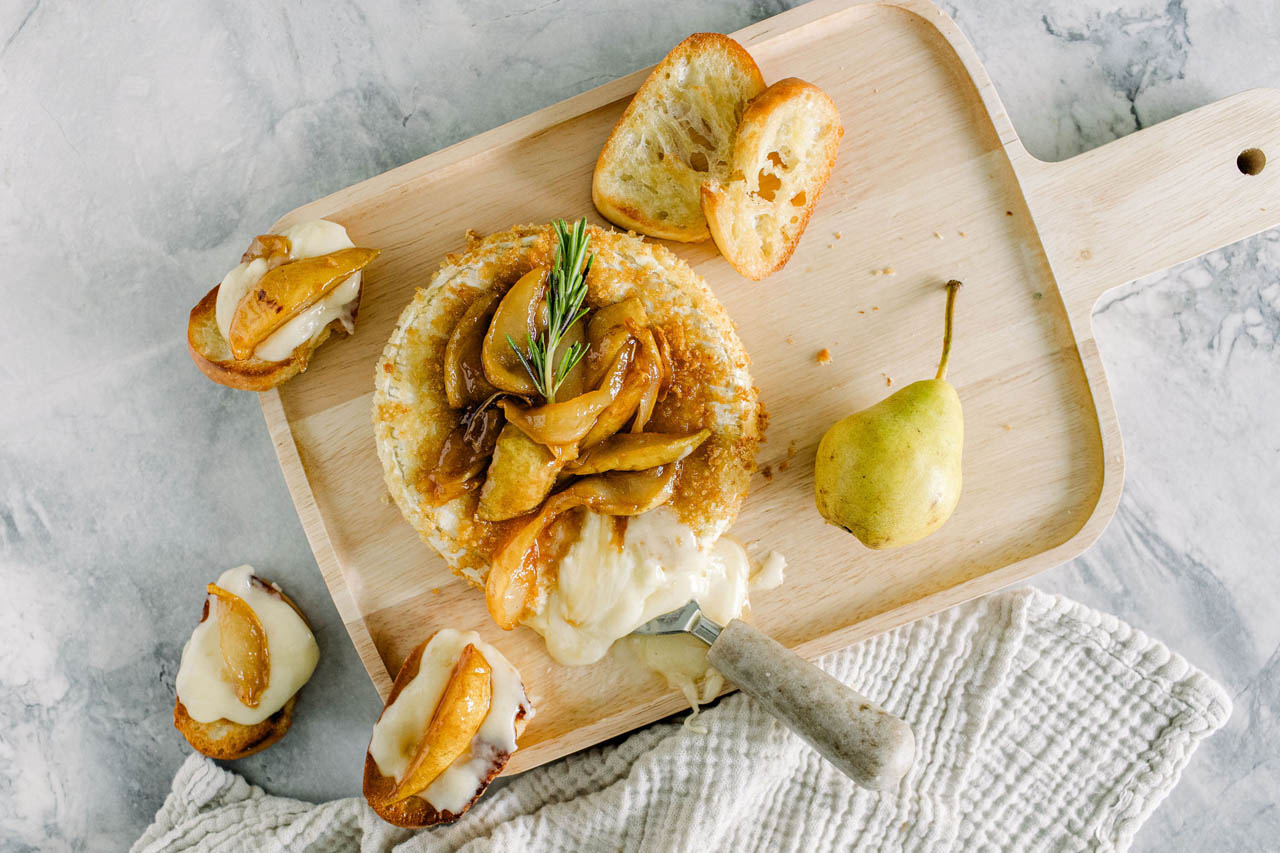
x=225 y=739
x=212 y=354
x=677 y=131
x=782 y=157
x=414 y=812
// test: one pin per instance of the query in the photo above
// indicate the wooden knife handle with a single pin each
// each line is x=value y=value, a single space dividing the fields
x=867 y=743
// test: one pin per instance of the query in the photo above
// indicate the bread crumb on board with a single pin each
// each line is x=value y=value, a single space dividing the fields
x=767 y=473
x=937 y=235
x=824 y=356
x=885 y=271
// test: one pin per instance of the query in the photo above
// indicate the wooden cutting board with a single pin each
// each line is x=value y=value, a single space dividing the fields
x=931 y=184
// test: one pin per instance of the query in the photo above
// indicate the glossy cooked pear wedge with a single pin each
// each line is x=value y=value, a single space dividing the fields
x=454 y=723
x=559 y=424
x=607 y=332
x=512 y=584
x=287 y=290
x=273 y=248
x=521 y=473
x=519 y=317
x=466 y=451
x=246 y=657
x=629 y=451
x=641 y=380
x=464 y=380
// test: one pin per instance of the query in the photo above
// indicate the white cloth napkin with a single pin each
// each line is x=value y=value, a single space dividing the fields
x=1040 y=725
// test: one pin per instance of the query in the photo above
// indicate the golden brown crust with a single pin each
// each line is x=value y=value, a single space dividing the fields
x=711 y=385
x=224 y=739
x=211 y=353
x=607 y=199
x=414 y=812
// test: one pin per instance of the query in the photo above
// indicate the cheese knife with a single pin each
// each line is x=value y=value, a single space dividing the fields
x=864 y=741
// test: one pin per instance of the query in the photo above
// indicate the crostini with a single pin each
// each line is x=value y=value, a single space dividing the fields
x=782 y=156
x=449 y=726
x=262 y=323
x=242 y=668
x=676 y=133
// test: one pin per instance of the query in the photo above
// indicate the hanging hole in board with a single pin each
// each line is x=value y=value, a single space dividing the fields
x=1251 y=161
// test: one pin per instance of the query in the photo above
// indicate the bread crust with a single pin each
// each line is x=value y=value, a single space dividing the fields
x=712 y=386
x=225 y=739
x=414 y=812
x=212 y=354
x=625 y=212
x=750 y=151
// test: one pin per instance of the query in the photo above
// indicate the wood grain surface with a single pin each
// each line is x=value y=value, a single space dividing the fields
x=931 y=184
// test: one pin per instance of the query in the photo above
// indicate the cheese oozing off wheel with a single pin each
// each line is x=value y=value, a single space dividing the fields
x=636 y=468
x=449 y=726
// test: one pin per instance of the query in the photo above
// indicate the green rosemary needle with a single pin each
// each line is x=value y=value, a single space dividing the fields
x=566 y=291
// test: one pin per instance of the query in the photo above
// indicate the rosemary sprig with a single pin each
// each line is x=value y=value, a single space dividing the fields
x=566 y=291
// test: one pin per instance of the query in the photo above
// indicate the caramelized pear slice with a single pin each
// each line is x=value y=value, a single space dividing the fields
x=273 y=248
x=559 y=424
x=636 y=452
x=512 y=585
x=654 y=378
x=453 y=724
x=464 y=380
x=287 y=290
x=607 y=332
x=641 y=373
x=519 y=317
x=521 y=474
x=664 y=354
x=464 y=455
x=246 y=659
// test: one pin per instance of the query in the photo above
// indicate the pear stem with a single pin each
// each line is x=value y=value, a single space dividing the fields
x=952 y=287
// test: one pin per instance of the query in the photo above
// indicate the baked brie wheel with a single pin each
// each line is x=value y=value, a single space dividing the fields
x=584 y=511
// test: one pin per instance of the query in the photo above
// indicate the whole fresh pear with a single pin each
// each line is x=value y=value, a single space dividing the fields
x=890 y=474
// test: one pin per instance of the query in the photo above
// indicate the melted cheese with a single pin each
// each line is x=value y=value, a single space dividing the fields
x=682 y=660
x=771 y=573
x=203 y=685
x=399 y=730
x=605 y=590
x=308 y=240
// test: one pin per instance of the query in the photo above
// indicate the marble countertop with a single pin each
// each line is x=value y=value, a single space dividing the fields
x=141 y=152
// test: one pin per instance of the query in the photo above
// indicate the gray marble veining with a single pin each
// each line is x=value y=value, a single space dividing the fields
x=140 y=149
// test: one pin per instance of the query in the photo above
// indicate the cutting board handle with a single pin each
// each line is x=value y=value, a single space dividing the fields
x=1157 y=197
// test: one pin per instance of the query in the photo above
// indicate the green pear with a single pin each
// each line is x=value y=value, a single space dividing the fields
x=890 y=474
